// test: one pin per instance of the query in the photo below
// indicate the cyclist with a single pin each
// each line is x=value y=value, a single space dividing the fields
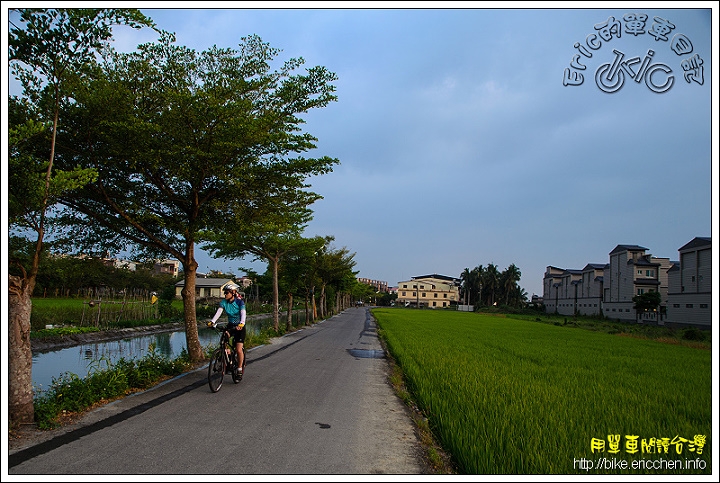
x=234 y=306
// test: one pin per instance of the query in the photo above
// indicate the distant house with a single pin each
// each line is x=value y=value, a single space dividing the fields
x=632 y=272
x=117 y=263
x=685 y=287
x=205 y=287
x=429 y=291
x=380 y=285
x=689 y=298
x=167 y=266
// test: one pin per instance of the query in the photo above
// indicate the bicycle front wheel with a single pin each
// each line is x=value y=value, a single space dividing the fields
x=216 y=370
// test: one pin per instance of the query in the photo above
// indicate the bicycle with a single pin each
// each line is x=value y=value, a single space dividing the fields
x=223 y=358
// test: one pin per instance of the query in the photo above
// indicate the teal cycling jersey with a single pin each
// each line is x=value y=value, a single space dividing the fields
x=233 y=309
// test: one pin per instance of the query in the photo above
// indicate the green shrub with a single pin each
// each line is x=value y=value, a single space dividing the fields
x=71 y=393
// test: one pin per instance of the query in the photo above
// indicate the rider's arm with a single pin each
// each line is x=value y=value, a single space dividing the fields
x=242 y=317
x=217 y=315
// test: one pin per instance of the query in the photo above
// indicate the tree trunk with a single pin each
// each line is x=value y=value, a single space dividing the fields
x=323 y=311
x=195 y=352
x=276 y=295
x=288 y=324
x=307 y=310
x=314 y=305
x=20 y=391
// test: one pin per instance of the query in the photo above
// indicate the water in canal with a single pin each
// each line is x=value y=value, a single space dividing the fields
x=84 y=358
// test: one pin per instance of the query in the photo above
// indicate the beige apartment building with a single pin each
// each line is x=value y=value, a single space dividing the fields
x=685 y=286
x=433 y=291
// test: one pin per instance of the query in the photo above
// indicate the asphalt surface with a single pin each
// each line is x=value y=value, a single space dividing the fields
x=316 y=401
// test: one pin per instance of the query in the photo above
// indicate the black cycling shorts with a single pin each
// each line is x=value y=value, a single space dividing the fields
x=237 y=335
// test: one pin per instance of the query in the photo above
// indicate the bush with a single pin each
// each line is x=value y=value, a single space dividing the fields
x=692 y=333
x=71 y=393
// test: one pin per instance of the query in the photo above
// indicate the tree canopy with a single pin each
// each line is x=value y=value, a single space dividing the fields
x=185 y=141
x=49 y=51
x=488 y=286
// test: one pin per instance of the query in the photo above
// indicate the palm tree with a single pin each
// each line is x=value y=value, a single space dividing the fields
x=491 y=282
x=510 y=278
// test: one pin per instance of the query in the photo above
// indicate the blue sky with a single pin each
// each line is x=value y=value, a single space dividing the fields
x=460 y=146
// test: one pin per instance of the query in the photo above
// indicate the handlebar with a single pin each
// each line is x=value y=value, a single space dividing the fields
x=217 y=326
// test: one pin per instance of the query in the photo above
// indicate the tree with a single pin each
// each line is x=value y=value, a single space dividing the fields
x=512 y=295
x=269 y=238
x=49 y=49
x=491 y=283
x=471 y=283
x=185 y=143
x=646 y=302
x=334 y=269
x=298 y=268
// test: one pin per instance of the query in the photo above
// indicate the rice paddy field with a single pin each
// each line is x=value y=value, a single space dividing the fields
x=509 y=396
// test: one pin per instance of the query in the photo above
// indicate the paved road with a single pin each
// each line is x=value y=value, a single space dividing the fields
x=315 y=401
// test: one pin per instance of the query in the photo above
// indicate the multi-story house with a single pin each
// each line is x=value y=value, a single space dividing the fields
x=590 y=289
x=572 y=291
x=167 y=266
x=551 y=289
x=689 y=294
x=608 y=289
x=632 y=272
x=434 y=291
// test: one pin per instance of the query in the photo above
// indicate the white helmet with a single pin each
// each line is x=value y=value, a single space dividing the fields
x=230 y=287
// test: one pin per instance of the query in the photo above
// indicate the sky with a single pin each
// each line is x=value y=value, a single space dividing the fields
x=460 y=144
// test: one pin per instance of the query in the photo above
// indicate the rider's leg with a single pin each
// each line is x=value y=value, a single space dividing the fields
x=241 y=356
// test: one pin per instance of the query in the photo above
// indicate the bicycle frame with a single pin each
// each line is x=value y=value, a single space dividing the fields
x=221 y=360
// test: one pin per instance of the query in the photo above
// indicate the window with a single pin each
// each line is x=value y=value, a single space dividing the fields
x=650 y=273
x=676 y=306
x=639 y=272
x=434 y=304
x=703 y=306
x=445 y=295
x=435 y=295
x=640 y=291
x=688 y=306
x=424 y=294
x=404 y=286
x=403 y=294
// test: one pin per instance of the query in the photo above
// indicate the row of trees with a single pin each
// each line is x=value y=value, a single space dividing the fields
x=155 y=151
x=488 y=286
x=68 y=276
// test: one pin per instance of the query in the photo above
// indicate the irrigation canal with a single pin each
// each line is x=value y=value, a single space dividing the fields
x=83 y=358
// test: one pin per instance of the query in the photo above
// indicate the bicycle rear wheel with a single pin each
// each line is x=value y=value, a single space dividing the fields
x=216 y=370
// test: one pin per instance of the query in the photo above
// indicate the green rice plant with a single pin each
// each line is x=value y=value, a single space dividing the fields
x=508 y=396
